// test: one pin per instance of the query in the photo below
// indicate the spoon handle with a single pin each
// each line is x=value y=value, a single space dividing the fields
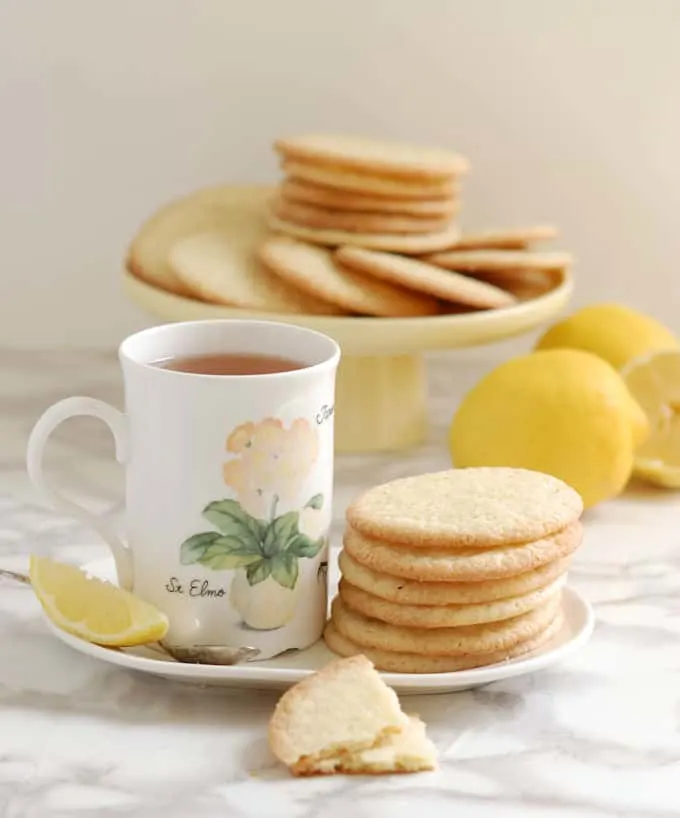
x=22 y=578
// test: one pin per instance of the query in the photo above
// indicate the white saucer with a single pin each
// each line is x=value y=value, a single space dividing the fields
x=285 y=670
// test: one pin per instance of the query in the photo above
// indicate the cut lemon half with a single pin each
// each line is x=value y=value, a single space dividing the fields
x=654 y=381
x=92 y=609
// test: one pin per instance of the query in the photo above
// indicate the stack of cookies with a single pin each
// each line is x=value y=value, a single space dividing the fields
x=383 y=195
x=454 y=570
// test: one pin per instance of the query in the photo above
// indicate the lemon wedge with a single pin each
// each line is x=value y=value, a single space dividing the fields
x=654 y=381
x=92 y=609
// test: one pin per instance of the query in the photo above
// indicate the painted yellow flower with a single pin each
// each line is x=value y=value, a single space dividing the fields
x=240 y=437
x=272 y=461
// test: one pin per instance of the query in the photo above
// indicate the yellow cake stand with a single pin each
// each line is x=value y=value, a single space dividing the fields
x=381 y=396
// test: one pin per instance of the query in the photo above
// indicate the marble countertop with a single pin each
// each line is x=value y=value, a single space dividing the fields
x=595 y=737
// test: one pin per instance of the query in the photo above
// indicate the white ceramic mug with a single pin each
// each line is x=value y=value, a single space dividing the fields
x=228 y=482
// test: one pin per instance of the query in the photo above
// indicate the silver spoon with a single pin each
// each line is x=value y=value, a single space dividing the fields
x=190 y=654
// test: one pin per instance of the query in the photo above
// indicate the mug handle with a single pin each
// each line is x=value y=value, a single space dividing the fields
x=48 y=422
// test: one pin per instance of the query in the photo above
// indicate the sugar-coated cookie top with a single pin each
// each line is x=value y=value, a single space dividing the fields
x=474 y=507
x=345 y=704
x=373 y=155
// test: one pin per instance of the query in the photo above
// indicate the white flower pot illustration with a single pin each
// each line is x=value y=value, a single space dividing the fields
x=266 y=605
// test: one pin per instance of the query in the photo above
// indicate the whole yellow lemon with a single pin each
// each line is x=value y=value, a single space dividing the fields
x=614 y=332
x=564 y=412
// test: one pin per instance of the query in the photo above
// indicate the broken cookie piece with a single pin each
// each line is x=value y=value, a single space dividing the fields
x=345 y=719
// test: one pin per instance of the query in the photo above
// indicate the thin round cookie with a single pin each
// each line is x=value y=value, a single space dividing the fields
x=523 y=284
x=222 y=268
x=355 y=221
x=339 y=179
x=391 y=662
x=466 y=565
x=509 y=238
x=466 y=640
x=408 y=244
x=472 y=507
x=425 y=278
x=207 y=209
x=366 y=155
x=312 y=270
x=412 y=592
x=494 y=260
x=298 y=191
x=444 y=616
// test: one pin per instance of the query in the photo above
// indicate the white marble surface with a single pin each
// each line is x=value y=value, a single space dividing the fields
x=596 y=737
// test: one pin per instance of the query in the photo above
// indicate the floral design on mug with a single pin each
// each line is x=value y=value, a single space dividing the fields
x=268 y=469
x=271 y=462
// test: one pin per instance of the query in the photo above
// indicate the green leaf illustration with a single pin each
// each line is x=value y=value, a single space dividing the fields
x=285 y=569
x=302 y=546
x=232 y=520
x=315 y=502
x=279 y=533
x=227 y=553
x=258 y=571
x=193 y=549
x=260 y=526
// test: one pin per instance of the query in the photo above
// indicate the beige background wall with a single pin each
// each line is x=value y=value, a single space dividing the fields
x=568 y=109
